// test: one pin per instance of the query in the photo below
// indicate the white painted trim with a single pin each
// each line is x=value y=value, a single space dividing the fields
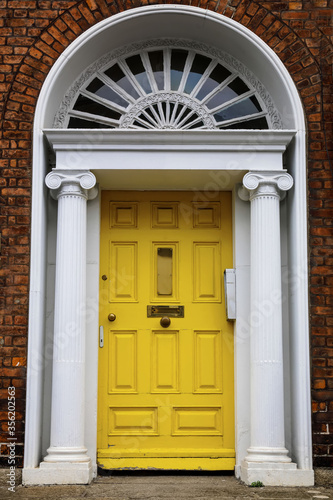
x=299 y=308
x=166 y=140
x=37 y=296
x=171 y=150
x=89 y=46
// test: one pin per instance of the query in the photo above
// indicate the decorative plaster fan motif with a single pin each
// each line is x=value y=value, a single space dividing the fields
x=168 y=88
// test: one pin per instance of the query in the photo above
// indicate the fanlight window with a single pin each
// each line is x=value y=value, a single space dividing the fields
x=168 y=88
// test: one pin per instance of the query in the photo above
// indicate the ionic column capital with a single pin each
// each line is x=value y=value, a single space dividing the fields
x=272 y=183
x=69 y=183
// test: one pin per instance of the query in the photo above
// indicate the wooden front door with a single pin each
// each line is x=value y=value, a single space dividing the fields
x=166 y=365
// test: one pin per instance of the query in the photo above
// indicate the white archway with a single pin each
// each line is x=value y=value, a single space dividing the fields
x=211 y=29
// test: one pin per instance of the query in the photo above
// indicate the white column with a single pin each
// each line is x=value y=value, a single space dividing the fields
x=267 y=458
x=67 y=459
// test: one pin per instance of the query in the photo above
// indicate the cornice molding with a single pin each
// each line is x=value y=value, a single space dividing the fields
x=226 y=140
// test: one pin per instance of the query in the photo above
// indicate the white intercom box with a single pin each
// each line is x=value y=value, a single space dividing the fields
x=230 y=293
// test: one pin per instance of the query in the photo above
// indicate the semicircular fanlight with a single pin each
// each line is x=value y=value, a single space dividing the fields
x=168 y=88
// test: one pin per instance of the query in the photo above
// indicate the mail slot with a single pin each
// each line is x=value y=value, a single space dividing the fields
x=159 y=311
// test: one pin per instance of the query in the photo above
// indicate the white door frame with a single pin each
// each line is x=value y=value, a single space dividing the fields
x=89 y=47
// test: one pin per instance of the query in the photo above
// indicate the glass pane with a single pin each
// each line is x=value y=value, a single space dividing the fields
x=238 y=86
x=151 y=114
x=79 y=123
x=247 y=107
x=256 y=124
x=164 y=271
x=255 y=102
x=89 y=106
x=136 y=66
x=99 y=88
x=179 y=109
x=199 y=66
x=217 y=76
x=138 y=124
x=190 y=120
x=157 y=65
x=117 y=75
x=145 y=119
x=178 y=59
x=196 y=125
x=234 y=89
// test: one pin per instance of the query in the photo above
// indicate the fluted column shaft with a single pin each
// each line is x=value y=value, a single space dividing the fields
x=68 y=381
x=267 y=391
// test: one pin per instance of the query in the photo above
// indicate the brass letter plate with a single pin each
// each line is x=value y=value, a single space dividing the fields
x=160 y=311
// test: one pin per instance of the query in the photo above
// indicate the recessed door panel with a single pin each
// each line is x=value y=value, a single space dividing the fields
x=122 y=362
x=123 y=272
x=195 y=421
x=206 y=215
x=123 y=214
x=166 y=367
x=129 y=421
x=208 y=367
x=207 y=272
x=164 y=215
x=165 y=361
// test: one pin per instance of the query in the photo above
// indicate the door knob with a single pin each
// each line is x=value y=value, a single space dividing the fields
x=165 y=321
x=112 y=317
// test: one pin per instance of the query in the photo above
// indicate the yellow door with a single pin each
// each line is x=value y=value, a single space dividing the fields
x=166 y=364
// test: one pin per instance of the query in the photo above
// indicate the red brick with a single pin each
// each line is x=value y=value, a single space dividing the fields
x=319 y=384
x=295 y=15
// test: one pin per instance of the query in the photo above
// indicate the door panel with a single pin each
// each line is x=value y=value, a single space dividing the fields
x=122 y=362
x=206 y=272
x=207 y=362
x=123 y=278
x=165 y=362
x=165 y=393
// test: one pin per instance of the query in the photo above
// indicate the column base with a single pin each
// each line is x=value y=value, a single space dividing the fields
x=275 y=474
x=59 y=473
x=267 y=454
x=57 y=454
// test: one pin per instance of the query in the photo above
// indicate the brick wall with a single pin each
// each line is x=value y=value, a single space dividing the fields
x=32 y=36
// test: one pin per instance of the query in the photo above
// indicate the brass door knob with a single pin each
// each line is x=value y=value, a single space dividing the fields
x=112 y=317
x=165 y=321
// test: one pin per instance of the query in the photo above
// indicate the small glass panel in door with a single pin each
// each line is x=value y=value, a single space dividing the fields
x=164 y=271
